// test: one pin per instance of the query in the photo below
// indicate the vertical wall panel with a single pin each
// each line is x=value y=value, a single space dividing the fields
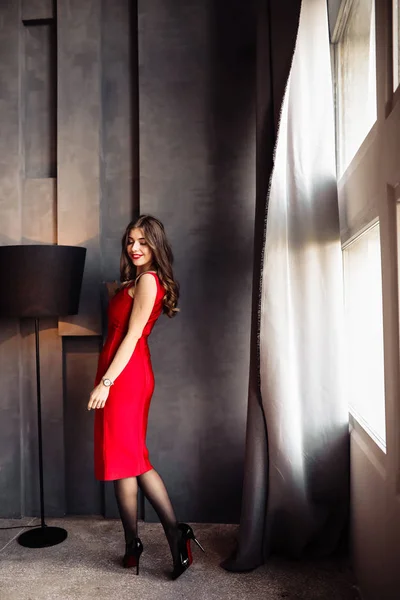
x=37 y=9
x=10 y=455
x=10 y=222
x=39 y=211
x=10 y=233
x=78 y=150
x=84 y=493
x=53 y=417
x=39 y=87
x=197 y=149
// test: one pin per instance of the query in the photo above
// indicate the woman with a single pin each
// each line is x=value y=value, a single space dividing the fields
x=124 y=386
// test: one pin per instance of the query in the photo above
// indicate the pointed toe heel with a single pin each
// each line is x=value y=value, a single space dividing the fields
x=185 y=551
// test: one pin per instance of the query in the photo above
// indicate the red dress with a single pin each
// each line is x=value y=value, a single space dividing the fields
x=120 y=427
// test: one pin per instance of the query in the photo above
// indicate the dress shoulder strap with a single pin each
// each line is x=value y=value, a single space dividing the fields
x=154 y=272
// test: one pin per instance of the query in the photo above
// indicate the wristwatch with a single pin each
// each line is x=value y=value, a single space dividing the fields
x=107 y=382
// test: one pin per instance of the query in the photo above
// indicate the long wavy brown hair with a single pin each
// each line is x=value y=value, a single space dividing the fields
x=154 y=234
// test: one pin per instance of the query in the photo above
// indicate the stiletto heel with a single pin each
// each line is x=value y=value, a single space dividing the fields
x=185 y=551
x=132 y=554
x=189 y=534
x=197 y=542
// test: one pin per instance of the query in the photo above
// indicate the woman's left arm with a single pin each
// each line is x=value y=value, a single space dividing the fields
x=145 y=295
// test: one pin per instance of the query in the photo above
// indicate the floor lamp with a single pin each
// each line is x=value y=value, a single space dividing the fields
x=40 y=281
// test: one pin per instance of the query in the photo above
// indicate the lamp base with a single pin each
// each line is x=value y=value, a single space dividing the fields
x=41 y=537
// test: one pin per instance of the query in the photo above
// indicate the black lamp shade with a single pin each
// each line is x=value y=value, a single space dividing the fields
x=40 y=280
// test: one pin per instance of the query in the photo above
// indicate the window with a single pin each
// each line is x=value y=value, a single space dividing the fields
x=354 y=37
x=396 y=42
x=364 y=333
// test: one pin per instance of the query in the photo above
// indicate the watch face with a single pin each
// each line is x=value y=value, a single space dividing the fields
x=107 y=382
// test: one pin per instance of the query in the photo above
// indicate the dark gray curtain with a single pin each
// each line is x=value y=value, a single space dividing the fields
x=295 y=490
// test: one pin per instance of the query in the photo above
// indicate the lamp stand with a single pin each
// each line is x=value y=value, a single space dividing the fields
x=43 y=536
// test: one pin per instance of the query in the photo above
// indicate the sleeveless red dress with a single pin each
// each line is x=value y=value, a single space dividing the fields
x=120 y=427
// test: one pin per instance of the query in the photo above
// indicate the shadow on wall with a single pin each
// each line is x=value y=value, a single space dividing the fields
x=225 y=268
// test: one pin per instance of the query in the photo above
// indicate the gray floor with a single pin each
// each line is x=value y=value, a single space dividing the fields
x=87 y=566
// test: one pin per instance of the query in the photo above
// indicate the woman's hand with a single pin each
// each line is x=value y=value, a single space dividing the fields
x=98 y=396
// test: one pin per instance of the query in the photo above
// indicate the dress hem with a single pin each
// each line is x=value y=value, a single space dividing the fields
x=122 y=476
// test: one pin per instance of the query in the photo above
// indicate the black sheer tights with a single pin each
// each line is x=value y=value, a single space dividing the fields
x=155 y=491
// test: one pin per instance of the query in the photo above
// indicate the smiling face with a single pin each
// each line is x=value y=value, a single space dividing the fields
x=138 y=249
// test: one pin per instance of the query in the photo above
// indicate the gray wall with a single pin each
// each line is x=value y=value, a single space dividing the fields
x=109 y=110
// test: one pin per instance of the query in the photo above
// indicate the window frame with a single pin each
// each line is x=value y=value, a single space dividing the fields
x=368 y=428
x=338 y=32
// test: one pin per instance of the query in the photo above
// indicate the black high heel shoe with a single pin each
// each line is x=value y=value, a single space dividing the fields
x=133 y=550
x=186 y=534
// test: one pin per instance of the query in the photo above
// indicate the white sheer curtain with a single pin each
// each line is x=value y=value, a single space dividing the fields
x=302 y=308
